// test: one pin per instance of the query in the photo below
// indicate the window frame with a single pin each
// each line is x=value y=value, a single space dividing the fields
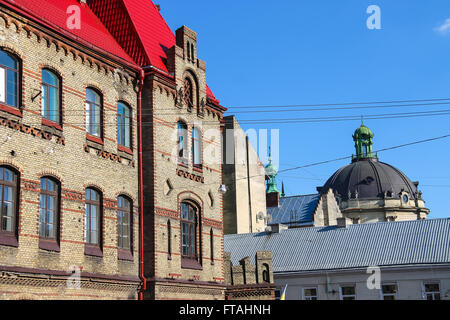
x=45 y=110
x=313 y=296
x=15 y=196
x=383 y=295
x=191 y=260
x=197 y=141
x=94 y=249
x=182 y=133
x=18 y=84
x=121 y=123
x=342 y=296
x=88 y=117
x=50 y=243
x=433 y=293
x=123 y=252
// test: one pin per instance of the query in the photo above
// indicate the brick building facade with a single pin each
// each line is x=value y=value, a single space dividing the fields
x=110 y=163
x=68 y=181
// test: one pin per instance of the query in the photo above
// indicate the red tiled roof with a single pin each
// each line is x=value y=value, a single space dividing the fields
x=53 y=14
x=139 y=28
x=141 y=31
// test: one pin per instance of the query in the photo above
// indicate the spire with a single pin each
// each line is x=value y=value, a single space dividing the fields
x=282 y=189
x=363 y=139
x=271 y=172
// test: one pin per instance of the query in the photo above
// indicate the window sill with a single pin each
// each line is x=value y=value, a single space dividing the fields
x=182 y=163
x=187 y=263
x=93 y=251
x=94 y=139
x=94 y=142
x=51 y=124
x=11 y=110
x=49 y=245
x=125 y=255
x=125 y=149
x=198 y=169
x=7 y=239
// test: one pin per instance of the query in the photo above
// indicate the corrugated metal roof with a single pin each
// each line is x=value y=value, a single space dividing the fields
x=293 y=210
x=360 y=245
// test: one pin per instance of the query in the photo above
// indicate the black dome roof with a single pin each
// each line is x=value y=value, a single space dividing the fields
x=371 y=179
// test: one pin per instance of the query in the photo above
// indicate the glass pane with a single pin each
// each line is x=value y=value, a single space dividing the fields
x=9 y=175
x=50 y=78
x=92 y=96
x=42 y=229
x=51 y=201
x=389 y=289
x=8 y=194
x=431 y=287
x=44 y=100
x=348 y=290
x=12 y=79
x=94 y=237
x=127 y=133
x=120 y=129
x=184 y=211
x=7 y=221
x=2 y=85
x=53 y=112
x=1 y=173
x=197 y=152
x=7 y=60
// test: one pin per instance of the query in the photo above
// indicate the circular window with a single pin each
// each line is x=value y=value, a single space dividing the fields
x=405 y=198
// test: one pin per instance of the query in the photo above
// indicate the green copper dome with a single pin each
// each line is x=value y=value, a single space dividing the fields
x=363 y=139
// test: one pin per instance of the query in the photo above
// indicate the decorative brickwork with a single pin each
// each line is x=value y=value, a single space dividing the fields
x=37 y=148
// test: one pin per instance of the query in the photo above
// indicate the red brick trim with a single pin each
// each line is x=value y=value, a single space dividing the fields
x=52 y=124
x=94 y=139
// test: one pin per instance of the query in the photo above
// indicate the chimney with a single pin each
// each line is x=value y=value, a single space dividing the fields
x=341 y=222
x=272 y=199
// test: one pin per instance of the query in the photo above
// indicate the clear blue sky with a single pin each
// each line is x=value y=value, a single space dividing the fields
x=313 y=52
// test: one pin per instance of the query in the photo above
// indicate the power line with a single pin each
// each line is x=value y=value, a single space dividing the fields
x=339 y=104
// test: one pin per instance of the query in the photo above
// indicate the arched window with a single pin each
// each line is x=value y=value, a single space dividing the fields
x=8 y=209
x=182 y=140
x=49 y=209
x=92 y=217
x=196 y=147
x=124 y=125
x=50 y=96
x=189 y=224
x=124 y=223
x=188 y=93
x=211 y=245
x=266 y=273
x=9 y=79
x=93 y=113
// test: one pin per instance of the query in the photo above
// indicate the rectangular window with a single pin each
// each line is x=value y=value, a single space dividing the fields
x=431 y=291
x=3 y=85
x=389 y=291
x=309 y=293
x=348 y=293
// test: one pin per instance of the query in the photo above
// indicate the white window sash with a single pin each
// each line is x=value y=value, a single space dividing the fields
x=3 y=85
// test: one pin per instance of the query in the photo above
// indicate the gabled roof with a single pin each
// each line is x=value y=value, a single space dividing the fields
x=294 y=210
x=416 y=242
x=141 y=31
x=139 y=28
x=53 y=14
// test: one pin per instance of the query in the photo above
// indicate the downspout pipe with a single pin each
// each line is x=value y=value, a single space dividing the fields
x=141 y=189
